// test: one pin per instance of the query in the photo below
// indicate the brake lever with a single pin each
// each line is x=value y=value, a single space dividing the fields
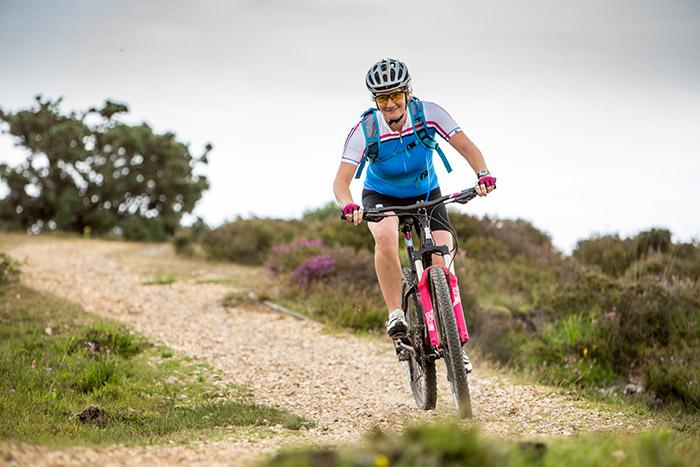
x=465 y=196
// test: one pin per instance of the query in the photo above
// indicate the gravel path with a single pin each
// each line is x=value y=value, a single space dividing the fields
x=345 y=383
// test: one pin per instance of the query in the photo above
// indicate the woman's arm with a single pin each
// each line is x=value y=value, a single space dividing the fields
x=471 y=153
x=341 y=188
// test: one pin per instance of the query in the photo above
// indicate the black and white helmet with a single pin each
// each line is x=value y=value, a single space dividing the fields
x=386 y=75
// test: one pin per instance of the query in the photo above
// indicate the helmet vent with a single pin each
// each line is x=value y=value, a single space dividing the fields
x=386 y=75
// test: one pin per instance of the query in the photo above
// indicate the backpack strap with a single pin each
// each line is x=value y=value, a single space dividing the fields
x=421 y=129
x=370 y=128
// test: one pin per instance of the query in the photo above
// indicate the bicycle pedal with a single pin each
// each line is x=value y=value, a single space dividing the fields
x=403 y=355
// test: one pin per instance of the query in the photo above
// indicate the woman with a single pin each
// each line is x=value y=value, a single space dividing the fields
x=400 y=171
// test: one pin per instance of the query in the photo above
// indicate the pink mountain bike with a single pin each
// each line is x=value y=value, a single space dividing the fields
x=432 y=305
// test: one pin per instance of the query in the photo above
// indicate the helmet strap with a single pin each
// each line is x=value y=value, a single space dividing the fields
x=396 y=120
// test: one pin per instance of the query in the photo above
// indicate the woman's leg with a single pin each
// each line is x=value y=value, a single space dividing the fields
x=386 y=260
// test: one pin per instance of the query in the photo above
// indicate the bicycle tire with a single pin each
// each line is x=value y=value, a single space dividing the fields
x=419 y=368
x=452 y=345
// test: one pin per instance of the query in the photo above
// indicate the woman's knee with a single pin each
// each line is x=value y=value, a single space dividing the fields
x=386 y=237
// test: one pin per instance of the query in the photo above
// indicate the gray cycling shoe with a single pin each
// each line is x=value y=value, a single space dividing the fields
x=467 y=362
x=396 y=326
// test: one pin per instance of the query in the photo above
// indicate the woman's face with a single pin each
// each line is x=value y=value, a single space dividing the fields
x=392 y=105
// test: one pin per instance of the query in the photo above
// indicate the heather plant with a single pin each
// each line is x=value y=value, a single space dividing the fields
x=315 y=268
x=313 y=259
x=331 y=283
x=288 y=256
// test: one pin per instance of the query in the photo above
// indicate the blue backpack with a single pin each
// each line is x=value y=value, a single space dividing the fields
x=370 y=128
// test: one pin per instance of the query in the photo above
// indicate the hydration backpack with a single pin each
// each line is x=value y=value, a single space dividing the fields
x=370 y=128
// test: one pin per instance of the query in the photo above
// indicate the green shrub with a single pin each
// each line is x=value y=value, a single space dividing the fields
x=516 y=237
x=333 y=231
x=665 y=267
x=654 y=240
x=322 y=213
x=674 y=374
x=498 y=336
x=485 y=249
x=9 y=269
x=183 y=244
x=187 y=240
x=650 y=253
x=608 y=252
x=324 y=223
x=248 y=241
x=146 y=230
x=102 y=339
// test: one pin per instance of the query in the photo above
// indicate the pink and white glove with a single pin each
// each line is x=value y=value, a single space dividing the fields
x=348 y=209
x=487 y=181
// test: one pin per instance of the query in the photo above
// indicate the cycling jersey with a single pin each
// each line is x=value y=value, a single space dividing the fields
x=404 y=166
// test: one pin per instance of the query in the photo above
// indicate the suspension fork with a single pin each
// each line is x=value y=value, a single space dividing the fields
x=428 y=242
x=414 y=259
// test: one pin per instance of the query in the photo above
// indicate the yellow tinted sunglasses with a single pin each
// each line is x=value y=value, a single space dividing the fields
x=397 y=97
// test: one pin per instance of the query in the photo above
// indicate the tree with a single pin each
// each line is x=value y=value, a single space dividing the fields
x=92 y=171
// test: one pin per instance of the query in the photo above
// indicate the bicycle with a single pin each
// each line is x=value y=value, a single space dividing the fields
x=428 y=288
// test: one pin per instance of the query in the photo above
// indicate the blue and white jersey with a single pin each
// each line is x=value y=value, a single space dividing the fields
x=404 y=167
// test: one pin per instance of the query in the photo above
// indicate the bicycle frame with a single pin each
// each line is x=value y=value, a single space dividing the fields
x=419 y=259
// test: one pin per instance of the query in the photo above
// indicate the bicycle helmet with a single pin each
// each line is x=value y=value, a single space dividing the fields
x=386 y=75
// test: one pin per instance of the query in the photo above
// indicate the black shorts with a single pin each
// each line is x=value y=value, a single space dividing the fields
x=438 y=214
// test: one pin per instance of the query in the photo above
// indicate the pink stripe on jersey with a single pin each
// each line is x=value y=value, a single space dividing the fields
x=437 y=126
x=388 y=136
x=352 y=132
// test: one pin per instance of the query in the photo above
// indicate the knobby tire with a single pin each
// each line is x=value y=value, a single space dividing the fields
x=420 y=369
x=449 y=336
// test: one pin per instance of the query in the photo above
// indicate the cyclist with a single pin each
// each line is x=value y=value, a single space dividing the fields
x=401 y=172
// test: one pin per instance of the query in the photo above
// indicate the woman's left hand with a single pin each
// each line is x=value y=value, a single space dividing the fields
x=485 y=185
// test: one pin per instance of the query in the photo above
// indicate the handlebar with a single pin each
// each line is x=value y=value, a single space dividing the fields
x=377 y=214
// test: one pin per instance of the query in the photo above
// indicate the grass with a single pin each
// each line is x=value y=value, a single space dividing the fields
x=234 y=281
x=450 y=445
x=236 y=299
x=68 y=377
x=164 y=279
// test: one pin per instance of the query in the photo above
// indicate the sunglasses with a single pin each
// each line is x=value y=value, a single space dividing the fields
x=397 y=97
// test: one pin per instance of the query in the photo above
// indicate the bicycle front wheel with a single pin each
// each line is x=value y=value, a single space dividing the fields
x=420 y=369
x=451 y=343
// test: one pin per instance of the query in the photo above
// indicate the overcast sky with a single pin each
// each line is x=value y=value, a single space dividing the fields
x=587 y=112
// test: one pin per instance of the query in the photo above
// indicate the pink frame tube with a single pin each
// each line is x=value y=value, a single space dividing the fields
x=429 y=312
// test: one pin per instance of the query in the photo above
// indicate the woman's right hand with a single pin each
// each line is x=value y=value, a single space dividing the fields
x=352 y=211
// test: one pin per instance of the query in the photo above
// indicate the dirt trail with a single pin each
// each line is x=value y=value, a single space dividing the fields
x=346 y=384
